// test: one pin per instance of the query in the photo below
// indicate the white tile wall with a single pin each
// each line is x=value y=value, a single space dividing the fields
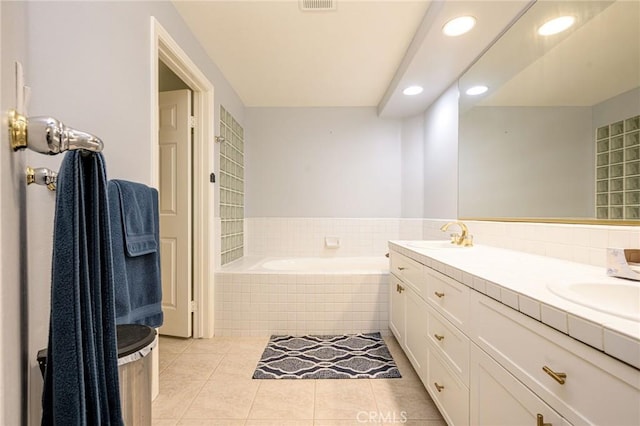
x=298 y=237
x=303 y=237
x=263 y=304
x=577 y=243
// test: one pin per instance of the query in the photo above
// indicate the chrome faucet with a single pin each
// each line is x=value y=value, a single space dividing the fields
x=464 y=239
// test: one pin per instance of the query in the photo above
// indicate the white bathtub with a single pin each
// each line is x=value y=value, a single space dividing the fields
x=326 y=265
x=270 y=295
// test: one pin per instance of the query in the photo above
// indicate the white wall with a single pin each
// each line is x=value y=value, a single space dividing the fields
x=322 y=162
x=412 y=167
x=625 y=105
x=13 y=389
x=441 y=157
x=88 y=64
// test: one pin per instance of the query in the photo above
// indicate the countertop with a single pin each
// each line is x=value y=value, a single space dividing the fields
x=520 y=280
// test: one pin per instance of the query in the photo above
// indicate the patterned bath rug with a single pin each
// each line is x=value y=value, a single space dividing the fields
x=354 y=356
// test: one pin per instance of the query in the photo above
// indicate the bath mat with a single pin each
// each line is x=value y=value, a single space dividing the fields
x=354 y=356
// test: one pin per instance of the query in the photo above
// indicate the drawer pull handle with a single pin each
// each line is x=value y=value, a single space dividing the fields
x=438 y=336
x=438 y=387
x=401 y=268
x=386 y=255
x=440 y=295
x=540 y=421
x=399 y=288
x=558 y=377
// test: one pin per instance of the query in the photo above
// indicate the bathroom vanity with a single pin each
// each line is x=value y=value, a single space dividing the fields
x=495 y=344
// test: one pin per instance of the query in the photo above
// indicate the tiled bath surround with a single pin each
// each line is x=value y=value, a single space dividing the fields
x=259 y=304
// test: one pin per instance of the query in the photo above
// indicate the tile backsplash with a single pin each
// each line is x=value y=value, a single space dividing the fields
x=299 y=237
x=575 y=242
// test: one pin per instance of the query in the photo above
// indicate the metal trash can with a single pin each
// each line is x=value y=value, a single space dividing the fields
x=135 y=343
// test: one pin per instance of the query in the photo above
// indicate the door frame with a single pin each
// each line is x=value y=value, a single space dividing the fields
x=165 y=48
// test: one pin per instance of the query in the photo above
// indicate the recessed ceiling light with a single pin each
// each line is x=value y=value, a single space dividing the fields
x=413 y=90
x=458 y=26
x=556 y=25
x=476 y=90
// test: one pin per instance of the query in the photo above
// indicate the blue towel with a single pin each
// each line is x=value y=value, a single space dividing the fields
x=135 y=236
x=81 y=379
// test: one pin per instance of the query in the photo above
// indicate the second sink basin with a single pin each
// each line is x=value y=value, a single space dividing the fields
x=621 y=299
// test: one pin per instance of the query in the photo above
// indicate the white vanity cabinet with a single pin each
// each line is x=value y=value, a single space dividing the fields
x=485 y=363
x=407 y=311
x=425 y=305
x=583 y=384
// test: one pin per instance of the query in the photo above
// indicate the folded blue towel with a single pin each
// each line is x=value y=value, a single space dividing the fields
x=81 y=378
x=135 y=236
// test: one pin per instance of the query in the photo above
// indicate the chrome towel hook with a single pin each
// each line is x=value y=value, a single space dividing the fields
x=48 y=135
x=42 y=176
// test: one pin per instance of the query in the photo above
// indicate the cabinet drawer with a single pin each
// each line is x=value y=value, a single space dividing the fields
x=597 y=389
x=450 y=343
x=409 y=271
x=448 y=297
x=498 y=398
x=448 y=392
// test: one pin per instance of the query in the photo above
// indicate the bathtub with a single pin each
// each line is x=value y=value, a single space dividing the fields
x=325 y=265
x=260 y=296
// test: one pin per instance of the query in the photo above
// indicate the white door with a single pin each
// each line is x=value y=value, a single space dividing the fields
x=175 y=211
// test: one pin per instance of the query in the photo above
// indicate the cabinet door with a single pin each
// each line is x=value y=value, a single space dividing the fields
x=397 y=309
x=499 y=399
x=416 y=331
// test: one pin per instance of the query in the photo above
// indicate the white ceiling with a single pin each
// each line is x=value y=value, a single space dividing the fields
x=361 y=54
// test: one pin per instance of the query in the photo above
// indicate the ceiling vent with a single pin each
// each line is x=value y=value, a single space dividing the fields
x=317 y=5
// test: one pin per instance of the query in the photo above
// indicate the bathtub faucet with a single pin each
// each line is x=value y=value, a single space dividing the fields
x=464 y=239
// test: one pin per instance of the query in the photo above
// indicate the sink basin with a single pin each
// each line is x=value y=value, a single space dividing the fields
x=621 y=299
x=434 y=244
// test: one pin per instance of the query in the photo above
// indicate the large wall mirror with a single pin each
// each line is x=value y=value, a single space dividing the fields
x=557 y=134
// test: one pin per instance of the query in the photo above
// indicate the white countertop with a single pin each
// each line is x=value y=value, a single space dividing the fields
x=520 y=280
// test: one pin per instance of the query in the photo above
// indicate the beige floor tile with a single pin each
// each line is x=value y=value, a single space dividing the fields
x=215 y=345
x=173 y=344
x=191 y=367
x=377 y=421
x=165 y=359
x=343 y=399
x=174 y=398
x=248 y=345
x=211 y=422
x=278 y=422
x=284 y=399
x=409 y=400
x=223 y=399
x=239 y=366
x=164 y=422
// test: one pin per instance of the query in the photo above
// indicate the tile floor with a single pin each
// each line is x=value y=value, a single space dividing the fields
x=208 y=382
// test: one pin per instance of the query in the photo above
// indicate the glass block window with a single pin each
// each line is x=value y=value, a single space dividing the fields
x=618 y=170
x=231 y=187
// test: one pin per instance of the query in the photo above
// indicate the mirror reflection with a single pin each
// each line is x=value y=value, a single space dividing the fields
x=556 y=134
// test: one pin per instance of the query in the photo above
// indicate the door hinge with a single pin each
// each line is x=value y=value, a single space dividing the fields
x=193 y=306
x=193 y=122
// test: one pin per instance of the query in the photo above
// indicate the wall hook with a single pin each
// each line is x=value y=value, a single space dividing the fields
x=42 y=176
